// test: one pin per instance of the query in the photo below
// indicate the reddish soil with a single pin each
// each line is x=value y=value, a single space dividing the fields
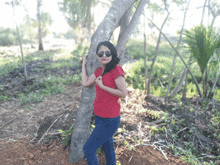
x=19 y=142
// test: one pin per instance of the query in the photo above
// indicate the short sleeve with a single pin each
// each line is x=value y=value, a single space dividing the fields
x=118 y=71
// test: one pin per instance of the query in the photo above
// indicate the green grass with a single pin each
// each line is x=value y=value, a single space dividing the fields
x=48 y=86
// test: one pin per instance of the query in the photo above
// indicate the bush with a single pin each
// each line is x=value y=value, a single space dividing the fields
x=135 y=49
x=80 y=50
x=7 y=39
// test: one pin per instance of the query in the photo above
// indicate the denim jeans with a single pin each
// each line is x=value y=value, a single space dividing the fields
x=102 y=134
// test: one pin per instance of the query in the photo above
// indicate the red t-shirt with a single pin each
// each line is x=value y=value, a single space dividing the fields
x=106 y=104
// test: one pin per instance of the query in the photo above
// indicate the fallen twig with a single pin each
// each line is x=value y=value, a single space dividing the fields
x=48 y=130
x=163 y=154
x=181 y=130
x=130 y=158
x=7 y=123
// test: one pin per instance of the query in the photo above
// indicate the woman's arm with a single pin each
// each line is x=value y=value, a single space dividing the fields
x=87 y=81
x=121 y=90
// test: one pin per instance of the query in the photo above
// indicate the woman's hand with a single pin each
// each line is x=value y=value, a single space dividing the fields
x=84 y=60
x=99 y=82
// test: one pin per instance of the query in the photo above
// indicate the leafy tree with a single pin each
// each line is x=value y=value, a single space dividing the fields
x=202 y=43
x=79 y=16
x=214 y=8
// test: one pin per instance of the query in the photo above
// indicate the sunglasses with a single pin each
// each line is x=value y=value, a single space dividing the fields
x=107 y=53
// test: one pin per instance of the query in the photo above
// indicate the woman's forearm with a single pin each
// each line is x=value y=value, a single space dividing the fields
x=115 y=92
x=84 y=75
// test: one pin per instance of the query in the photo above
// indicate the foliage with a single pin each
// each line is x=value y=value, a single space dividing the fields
x=9 y=37
x=67 y=134
x=202 y=42
x=48 y=86
x=80 y=50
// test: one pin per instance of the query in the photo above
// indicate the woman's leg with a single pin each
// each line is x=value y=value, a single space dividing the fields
x=109 y=149
x=104 y=130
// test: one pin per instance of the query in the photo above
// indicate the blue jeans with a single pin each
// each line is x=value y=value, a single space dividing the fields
x=102 y=134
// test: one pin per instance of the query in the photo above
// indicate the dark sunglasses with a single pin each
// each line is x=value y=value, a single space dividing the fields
x=107 y=53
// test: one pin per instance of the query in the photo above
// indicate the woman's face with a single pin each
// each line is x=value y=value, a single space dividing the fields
x=104 y=59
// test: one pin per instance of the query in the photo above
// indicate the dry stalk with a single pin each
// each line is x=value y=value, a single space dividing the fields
x=48 y=130
x=7 y=123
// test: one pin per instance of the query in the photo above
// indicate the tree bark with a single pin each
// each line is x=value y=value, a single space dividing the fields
x=40 y=47
x=177 y=88
x=103 y=33
x=174 y=60
x=130 y=28
x=157 y=48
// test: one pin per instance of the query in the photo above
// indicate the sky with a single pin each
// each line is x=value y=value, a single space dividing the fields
x=60 y=24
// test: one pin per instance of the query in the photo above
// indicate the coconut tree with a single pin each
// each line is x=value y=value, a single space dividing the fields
x=202 y=43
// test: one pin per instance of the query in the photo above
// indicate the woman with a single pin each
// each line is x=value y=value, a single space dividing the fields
x=110 y=85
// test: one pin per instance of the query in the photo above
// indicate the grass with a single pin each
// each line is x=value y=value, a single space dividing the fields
x=53 y=84
x=48 y=86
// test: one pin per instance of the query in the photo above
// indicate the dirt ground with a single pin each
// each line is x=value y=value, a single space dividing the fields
x=22 y=127
x=19 y=145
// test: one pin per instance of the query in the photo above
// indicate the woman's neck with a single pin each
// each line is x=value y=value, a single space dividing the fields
x=103 y=67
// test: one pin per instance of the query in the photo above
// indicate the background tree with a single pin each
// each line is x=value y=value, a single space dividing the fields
x=214 y=9
x=104 y=31
x=177 y=48
x=13 y=4
x=166 y=8
x=40 y=47
x=79 y=16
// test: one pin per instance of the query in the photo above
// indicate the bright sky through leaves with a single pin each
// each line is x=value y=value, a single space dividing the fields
x=60 y=25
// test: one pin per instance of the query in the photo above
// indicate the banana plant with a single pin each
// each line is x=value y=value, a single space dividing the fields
x=202 y=43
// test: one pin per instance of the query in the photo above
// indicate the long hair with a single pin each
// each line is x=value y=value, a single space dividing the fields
x=115 y=60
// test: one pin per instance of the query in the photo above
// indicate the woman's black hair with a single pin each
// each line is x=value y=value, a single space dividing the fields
x=115 y=60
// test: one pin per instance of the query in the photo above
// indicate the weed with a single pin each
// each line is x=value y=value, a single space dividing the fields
x=130 y=147
x=67 y=134
x=3 y=97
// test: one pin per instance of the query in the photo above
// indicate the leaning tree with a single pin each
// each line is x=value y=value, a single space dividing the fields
x=104 y=32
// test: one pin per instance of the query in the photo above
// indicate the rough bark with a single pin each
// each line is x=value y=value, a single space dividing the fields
x=178 y=44
x=124 y=22
x=130 y=28
x=157 y=48
x=40 y=47
x=105 y=29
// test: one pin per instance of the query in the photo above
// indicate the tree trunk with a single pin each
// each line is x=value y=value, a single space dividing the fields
x=103 y=33
x=40 y=47
x=174 y=60
x=177 y=88
x=157 y=48
x=185 y=87
x=130 y=28
x=203 y=12
x=124 y=22
x=211 y=92
x=186 y=81
x=21 y=48
x=145 y=62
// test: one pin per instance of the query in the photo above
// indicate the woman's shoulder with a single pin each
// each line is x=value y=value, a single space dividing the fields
x=118 y=67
